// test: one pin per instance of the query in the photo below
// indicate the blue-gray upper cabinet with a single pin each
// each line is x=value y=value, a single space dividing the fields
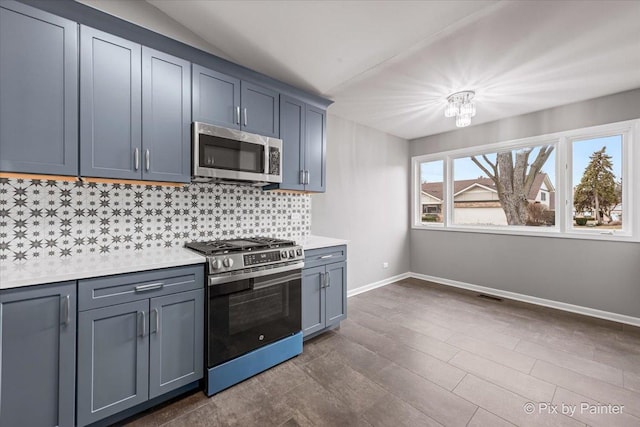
x=302 y=130
x=223 y=100
x=38 y=91
x=292 y=133
x=38 y=354
x=216 y=98
x=315 y=149
x=260 y=109
x=110 y=106
x=166 y=117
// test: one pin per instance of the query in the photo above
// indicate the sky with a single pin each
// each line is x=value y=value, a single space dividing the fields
x=464 y=168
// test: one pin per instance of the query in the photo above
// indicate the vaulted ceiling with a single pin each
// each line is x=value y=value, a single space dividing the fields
x=391 y=64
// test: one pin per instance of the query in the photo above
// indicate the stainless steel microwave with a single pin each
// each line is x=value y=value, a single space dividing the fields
x=231 y=155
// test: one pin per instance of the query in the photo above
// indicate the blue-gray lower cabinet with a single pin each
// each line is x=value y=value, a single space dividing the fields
x=140 y=335
x=37 y=355
x=324 y=289
x=38 y=91
x=176 y=334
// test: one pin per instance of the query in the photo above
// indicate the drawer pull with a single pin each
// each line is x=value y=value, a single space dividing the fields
x=149 y=287
x=326 y=256
x=143 y=323
x=66 y=310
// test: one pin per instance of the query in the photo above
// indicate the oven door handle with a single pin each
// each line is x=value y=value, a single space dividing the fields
x=213 y=280
x=276 y=281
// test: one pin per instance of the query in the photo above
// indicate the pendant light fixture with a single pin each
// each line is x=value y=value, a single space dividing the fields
x=461 y=106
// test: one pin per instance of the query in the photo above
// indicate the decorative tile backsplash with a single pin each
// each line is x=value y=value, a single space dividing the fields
x=41 y=218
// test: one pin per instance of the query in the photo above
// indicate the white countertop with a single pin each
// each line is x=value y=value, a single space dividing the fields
x=315 y=242
x=55 y=269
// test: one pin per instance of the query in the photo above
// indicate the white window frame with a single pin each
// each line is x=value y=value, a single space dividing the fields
x=563 y=141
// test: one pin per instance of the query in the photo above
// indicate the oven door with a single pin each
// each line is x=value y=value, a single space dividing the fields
x=245 y=314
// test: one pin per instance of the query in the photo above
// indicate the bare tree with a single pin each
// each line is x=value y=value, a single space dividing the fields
x=514 y=178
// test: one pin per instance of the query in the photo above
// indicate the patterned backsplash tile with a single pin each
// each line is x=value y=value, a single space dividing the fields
x=41 y=218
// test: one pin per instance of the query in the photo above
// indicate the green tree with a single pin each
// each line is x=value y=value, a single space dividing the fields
x=597 y=190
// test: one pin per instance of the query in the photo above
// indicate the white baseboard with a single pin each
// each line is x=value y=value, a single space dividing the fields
x=377 y=284
x=587 y=311
x=621 y=318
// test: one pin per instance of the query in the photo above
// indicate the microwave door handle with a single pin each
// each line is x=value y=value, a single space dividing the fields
x=267 y=168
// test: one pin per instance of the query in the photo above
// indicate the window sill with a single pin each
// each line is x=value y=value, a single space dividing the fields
x=548 y=232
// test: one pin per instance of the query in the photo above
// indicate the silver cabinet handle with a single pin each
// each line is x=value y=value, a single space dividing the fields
x=149 y=287
x=328 y=280
x=157 y=313
x=322 y=280
x=238 y=115
x=66 y=310
x=143 y=322
x=245 y=116
x=307 y=177
x=136 y=159
x=302 y=175
x=326 y=256
x=147 y=159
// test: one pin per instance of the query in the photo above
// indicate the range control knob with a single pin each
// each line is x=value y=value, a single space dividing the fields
x=228 y=262
x=292 y=253
x=299 y=252
x=216 y=264
x=284 y=254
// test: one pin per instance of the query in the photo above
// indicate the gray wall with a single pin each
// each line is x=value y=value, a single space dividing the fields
x=596 y=274
x=367 y=200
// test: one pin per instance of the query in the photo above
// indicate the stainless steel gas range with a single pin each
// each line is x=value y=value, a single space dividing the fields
x=253 y=307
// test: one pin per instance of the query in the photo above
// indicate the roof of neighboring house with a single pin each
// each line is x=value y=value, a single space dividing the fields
x=435 y=188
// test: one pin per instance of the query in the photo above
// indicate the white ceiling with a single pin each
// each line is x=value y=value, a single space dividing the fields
x=391 y=64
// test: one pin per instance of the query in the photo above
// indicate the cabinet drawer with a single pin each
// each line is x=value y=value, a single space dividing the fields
x=323 y=256
x=110 y=290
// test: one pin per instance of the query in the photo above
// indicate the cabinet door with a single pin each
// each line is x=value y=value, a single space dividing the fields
x=37 y=367
x=113 y=360
x=260 y=110
x=336 y=292
x=292 y=133
x=315 y=149
x=166 y=117
x=39 y=91
x=110 y=106
x=313 y=300
x=176 y=339
x=216 y=98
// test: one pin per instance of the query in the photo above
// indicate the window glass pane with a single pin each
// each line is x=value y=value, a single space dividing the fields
x=432 y=192
x=597 y=183
x=508 y=188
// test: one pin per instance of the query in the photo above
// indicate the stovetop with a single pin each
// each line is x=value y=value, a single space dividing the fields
x=218 y=247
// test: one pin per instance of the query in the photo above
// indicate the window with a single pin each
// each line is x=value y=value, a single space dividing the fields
x=432 y=192
x=596 y=183
x=570 y=184
x=503 y=188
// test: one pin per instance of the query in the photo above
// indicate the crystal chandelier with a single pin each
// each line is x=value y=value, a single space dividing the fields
x=460 y=105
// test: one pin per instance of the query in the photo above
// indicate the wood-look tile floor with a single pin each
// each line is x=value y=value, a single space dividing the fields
x=419 y=354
